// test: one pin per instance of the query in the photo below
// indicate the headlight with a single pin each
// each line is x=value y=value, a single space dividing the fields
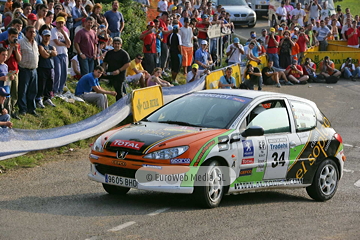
x=97 y=146
x=251 y=15
x=167 y=153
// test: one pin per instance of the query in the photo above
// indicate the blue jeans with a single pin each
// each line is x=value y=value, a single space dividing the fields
x=348 y=73
x=86 y=65
x=60 y=73
x=115 y=34
x=27 y=90
x=4 y=118
x=275 y=58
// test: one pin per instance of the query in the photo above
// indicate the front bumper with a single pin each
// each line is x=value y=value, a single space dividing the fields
x=96 y=176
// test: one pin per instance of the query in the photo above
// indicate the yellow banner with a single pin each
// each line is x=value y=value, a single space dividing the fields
x=337 y=57
x=339 y=48
x=236 y=74
x=145 y=101
x=212 y=80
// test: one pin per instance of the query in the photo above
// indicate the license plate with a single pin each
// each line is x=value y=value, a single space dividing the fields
x=120 y=181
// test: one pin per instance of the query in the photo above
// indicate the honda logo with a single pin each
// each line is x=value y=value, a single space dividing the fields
x=121 y=154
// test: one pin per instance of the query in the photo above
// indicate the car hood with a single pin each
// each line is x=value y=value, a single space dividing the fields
x=238 y=10
x=141 y=137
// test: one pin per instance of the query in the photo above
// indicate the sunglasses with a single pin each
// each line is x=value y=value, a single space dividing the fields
x=140 y=58
x=17 y=12
x=58 y=8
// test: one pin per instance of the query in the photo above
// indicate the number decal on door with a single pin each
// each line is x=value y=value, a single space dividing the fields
x=278 y=160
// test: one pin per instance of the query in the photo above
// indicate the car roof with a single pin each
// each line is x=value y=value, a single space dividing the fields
x=255 y=94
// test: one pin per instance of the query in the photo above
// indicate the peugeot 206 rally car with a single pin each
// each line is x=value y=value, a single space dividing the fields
x=244 y=140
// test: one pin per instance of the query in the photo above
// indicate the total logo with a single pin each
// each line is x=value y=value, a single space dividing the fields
x=127 y=144
x=247 y=161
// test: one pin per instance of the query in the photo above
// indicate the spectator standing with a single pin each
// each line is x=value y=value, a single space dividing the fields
x=98 y=16
x=175 y=43
x=69 y=19
x=302 y=41
x=41 y=14
x=299 y=14
x=149 y=49
x=61 y=41
x=4 y=115
x=187 y=36
x=45 y=70
x=324 y=12
x=314 y=9
x=89 y=89
x=115 y=63
x=27 y=8
x=164 y=48
x=5 y=79
x=159 y=39
x=353 y=36
x=27 y=72
x=162 y=6
x=85 y=43
x=272 y=42
x=202 y=56
x=285 y=50
x=14 y=57
x=288 y=8
x=323 y=34
x=78 y=13
x=234 y=51
x=281 y=12
x=115 y=20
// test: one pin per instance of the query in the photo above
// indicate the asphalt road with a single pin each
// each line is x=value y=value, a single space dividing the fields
x=57 y=201
x=244 y=31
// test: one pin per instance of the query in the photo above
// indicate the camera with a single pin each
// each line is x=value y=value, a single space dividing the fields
x=15 y=40
x=108 y=73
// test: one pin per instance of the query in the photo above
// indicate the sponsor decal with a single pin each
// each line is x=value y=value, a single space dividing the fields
x=269 y=183
x=203 y=151
x=245 y=172
x=247 y=161
x=120 y=163
x=261 y=165
x=180 y=160
x=248 y=148
x=121 y=154
x=151 y=166
x=127 y=144
x=262 y=154
x=262 y=145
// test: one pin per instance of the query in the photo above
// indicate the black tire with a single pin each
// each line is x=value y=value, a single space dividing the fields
x=273 y=21
x=325 y=181
x=115 y=190
x=202 y=189
x=252 y=25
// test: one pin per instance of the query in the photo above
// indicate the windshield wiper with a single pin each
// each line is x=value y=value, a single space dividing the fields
x=179 y=123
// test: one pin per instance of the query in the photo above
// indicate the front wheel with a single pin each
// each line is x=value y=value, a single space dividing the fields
x=325 y=182
x=210 y=192
x=115 y=190
x=252 y=25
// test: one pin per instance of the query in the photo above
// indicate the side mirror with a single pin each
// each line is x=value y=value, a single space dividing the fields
x=235 y=137
x=249 y=4
x=253 y=131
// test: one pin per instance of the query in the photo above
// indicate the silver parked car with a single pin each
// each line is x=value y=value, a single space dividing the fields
x=241 y=13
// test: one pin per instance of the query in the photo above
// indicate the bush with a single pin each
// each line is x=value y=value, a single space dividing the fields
x=135 y=24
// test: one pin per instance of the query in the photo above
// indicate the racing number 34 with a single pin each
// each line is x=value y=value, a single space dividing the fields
x=278 y=159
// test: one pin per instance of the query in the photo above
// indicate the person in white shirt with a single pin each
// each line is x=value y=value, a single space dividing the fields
x=281 y=12
x=325 y=12
x=162 y=6
x=299 y=14
x=314 y=8
x=186 y=34
x=234 y=51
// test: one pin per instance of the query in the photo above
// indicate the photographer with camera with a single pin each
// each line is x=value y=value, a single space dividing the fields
x=252 y=76
x=295 y=74
x=310 y=70
x=328 y=70
x=272 y=42
x=234 y=51
x=349 y=71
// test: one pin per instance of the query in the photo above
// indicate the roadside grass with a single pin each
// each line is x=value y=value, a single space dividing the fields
x=352 y=4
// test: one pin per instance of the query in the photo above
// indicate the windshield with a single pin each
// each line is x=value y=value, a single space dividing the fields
x=201 y=110
x=232 y=2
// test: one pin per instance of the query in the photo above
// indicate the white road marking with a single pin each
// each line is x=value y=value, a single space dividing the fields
x=122 y=226
x=357 y=184
x=348 y=145
x=347 y=170
x=158 y=211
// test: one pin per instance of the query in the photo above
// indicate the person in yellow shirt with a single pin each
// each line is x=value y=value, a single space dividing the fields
x=135 y=72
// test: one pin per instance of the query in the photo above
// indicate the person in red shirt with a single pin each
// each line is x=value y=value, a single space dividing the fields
x=353 y=35
x=202 y=26
x=295 y=50
x=164 y=48
x=302 y=41
x=272 y=42
x=295 y=74
x=149 y=49
x=14 y=57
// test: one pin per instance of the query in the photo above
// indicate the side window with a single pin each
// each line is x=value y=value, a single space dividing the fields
x=304 y=115
x=273 y=119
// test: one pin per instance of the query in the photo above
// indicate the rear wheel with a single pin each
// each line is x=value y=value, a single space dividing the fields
x=210 y=192
x=115 y=190
x=325 y=182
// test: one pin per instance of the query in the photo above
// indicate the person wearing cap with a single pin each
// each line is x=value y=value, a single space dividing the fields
x=4 y=116
x=135 y=72
x=173 y=6
x=45 y=71
x=272 y=42
x=281 y=12
x=78 y=13
x=186 y=34
x=298 y=14
x=40 y=15
x=295 y=50
x=12 y=61
x=194 y=74
x=295 y=74
x=234 y=52
x=280 y=32
x=61 y=41
x=202 y=26
x=27 y=72
x=149 y=47
x=256 y=47
x=349 y=71
x=322 y=36
x=314 y=9
x=115 y=20
x=85 y=43
x=202 y=56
